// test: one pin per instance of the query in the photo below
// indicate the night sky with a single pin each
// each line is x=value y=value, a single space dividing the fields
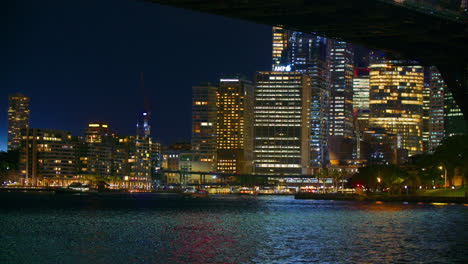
x=80 y=61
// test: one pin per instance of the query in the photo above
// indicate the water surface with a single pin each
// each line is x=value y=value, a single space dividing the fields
x=232 y=229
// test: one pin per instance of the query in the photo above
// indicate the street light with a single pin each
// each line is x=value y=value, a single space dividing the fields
x=445 y=174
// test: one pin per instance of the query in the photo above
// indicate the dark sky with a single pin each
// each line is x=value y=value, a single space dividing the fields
x=80 y=61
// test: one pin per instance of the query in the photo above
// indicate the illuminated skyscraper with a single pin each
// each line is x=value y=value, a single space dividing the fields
x=426 y=107
x=281 y=126
x=361 y=92
x=360 y=106
x=436 y=109
x=18 y=119
x=396 y=101
x=340 y=140
x=234 y=126
x=433 y=109
x=454 y=123
x=204 y=113
x=280 y=43
x=307 y=53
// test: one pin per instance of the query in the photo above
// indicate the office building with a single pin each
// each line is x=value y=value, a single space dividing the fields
x=307 y=53
x=281 y=123
x=340 y=140
x=18 y=119
x=454 y=123
x=361 y=92
x=436 y=109
x=204 y=115
x=98 y=143
x=396 y=103
x=234 y=125
x=280 y=43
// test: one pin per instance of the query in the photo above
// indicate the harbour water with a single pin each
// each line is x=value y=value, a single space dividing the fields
x=230 y=229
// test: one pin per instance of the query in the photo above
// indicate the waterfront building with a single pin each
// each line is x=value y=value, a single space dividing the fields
x=106 y=154
x=170 y=162
x=18 y=119
x=234 y=126
x=340 y=140
x=204 y=115
x=281 y=123
x=190 y=162
x=98 y=150
x=396 y=103
x=47 y=157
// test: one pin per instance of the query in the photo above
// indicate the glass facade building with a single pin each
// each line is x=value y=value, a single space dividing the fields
x=307 y=54
x=281 y=123
x=436 y=109
x=340 y=140
x=396 y=103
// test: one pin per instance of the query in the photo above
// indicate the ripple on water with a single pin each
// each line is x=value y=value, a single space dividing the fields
x=238 y=230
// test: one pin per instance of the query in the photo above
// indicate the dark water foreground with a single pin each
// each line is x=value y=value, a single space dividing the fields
x=382 y=198
x=154 y=228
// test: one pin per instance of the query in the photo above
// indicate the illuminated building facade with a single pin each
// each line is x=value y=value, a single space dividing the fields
x=18 y=119
x=280 y=43
x=436 y=109
x=307 y=53
x=204 y=115
x=281 y=126
x=396 y=103
x=433 y=109
x=361 y=92
x=47 y=157
x=234 y=126
x=98 y=150
x=360 y=106
x=340 y=140
x=143 y=158
x=454 y=123
x=426 y=107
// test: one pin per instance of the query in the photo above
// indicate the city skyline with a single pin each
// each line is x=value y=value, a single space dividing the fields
x=56 y=64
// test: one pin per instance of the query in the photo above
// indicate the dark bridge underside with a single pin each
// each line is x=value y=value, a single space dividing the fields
x=399 y=31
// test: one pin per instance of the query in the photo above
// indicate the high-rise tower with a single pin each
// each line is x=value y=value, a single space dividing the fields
x=436 y=109
x=307 y=53
x=281 y=126
x=340 y=140
x=143 y=144
x=280 y=43
x=396 y=103
x=234 y=125
x=204 y=113
x=18 y=119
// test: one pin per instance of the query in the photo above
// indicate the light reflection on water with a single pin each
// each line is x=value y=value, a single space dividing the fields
x=228 y=229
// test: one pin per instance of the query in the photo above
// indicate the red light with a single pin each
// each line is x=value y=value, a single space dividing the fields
x=359 y=185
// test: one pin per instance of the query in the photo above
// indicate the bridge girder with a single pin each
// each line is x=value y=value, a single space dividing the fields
x=431 y=39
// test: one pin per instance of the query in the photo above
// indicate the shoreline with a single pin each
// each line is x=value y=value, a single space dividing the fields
x=381 y=198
